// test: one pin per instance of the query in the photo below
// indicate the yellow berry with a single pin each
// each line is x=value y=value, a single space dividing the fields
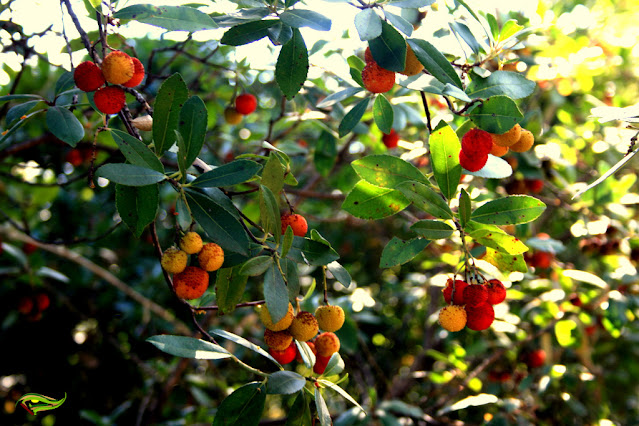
x=211 y=257
x=277 y=340
x=282 y=324
x=412 y=66
x=118 y=67
x=329 y=317
x=304 y=326
x=174 y=260
x=191 y=242
x=232 y=116
x=452 y=317
x=524 y=143
x=327 y=344
x=509 y=138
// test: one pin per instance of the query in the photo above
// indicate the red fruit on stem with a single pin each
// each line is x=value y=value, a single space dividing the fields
x=286 y=356
x=460 y=286
x=88 y=77
x=297 y=222
x=475 y=295
x=25 y=305
x=109 y=99
x=320 y=364
x=534 y=185
x=29 y=248
x=536 y=358
x=496 y=291
x=476 y=143
x=541 y=259
x=42 y=301
x=480 y=317
x=472 y=164
x=390 y=139
x=245 y=103
x=377 y=79
x=138 y=74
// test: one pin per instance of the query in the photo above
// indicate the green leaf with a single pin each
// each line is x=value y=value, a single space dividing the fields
x=464 y=32
x=273 y=175
x=270 y=213
x=340 y=391
x=383 y=113
x=172 y=18
x=233 y=173
x=192 y=127
x=247 y=33
x=325 y=153
x=368 y=24
x=398 y=252
x=256 y=265
x=7 y=98
x=305 y=250
x=435 y=62
x=292 y=278
x=275 y=293
x=298 y=18
x=352 y=118
x=368 y=201
x=509 y=29
x=16 y=112
x=510 y=210
x=340 y=273
x=336 y=97
x=188 y=347
x=444 y=153
x=399 y=22
x=243 y=342
x=496 y=238
x=229 y=288
x=287 y=241
x=389 y=49
x=335 y=365
x=137 y=206
x=168 y=103
x=128 y=174
x=241 y=16
x=244 y=407
x=496 y=115
x=292 y=65
x=64 y=125
x=425 y=199
x=135 y=151
x=280 y=34
x=464 y=208
x=285 y=383
x=432 y=229
x=322 y=410
x=387 y=171
x=300 y=412
x=511 y=84
x=65 y=82
x=219 y=225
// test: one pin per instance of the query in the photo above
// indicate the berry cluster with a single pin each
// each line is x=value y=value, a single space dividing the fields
x=117 y=68
x=303 y=327
x=516 y=140
x=245 y=104
x=470 y=305
x=476 y=144
x=190 y=282
x=33 y=306
x=375 y=78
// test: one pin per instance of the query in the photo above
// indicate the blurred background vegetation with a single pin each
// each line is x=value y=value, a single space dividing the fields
x=580 y=308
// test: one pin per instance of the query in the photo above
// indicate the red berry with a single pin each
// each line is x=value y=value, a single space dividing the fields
x=109 y=99
x=138 y=74
x=472 y=164
x=476 y=143
x=29 y=248
x=42 y=300
x=88 y=77
x=74 y=157
x=320 y=364
x=576 y=300
x=368 y=55
x=534 y=185
x=480 y=317
x=496 y=291
x=536 y=358
x=460 y=286
x=245 y=103
x=297 y=223
x=25 y=305
x=541 y=259
x=286 y=356
x=390 y=139
x=475 y=295
x=377 y=79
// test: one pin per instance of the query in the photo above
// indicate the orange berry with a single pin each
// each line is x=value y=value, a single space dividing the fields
x=231 y=116
x=191 y=283
x=452 y=317
x=88 y=77
x=174 y=260
x=109 y=99
x=330 y=317
x=245 y=103
x=191 y=242
x=277 y=340
x=368 y=55
x=327 y=344
x=412 y=66
x=377 y=79
x=138 y=74
x=499 y=151
x=304 y=326
x=524 y=143
x=282 y=324
x=509 y=138
x=297 y=222
x=118 y=67
x=211 y=257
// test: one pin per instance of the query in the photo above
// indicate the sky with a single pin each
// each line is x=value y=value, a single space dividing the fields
x=50 y=12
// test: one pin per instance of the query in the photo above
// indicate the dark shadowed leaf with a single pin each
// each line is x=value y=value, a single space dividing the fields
x=389 y=49
x=128 y=174
x=352 y=118
x=188 y=347
x=64 y=125
x=247 y=33
x=285 y=383
x=172 y=18
x=233 y=173
x=136 y=152
x=435 y=62
x=137 y=205
x=398 y=252
x=192 y=127
x=292 y=65
x=496 y=115
x=171 y=96
x=244 y=407
x=275 y=293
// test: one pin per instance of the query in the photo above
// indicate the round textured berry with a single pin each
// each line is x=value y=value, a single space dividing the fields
x=459 y=287
x=88 y=77
x=109 y=99
x=304 y=326
x=174 y=260
x=245 y=103
x=509 y=138
x=191 y=283
x=496 y=291
x=480 y=317
x=476 y=143
x=277 y=340
x=138 y=73
x=330 y=317
x=231 y=116
x=452 y=317
x=390 y=139
x=472 y=164
x=191 y=242
x=412 y=65
x=377 y=79
x=327 y=344
x=297 y=222
x=475 y=295
x=211 y=257
x=282 y=324
x=118 y=67
x=524 y=143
